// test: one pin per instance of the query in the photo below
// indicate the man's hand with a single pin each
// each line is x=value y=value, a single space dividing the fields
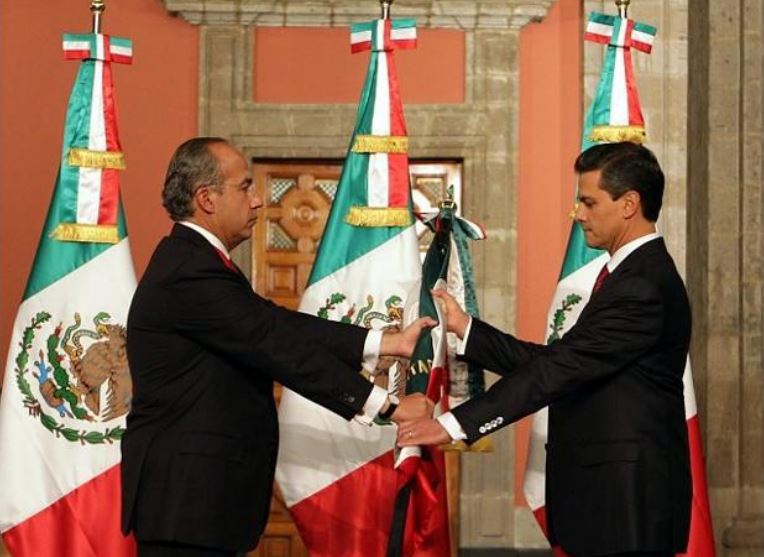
x=413 y=407
x=422 y=432
x=456 y=319
x=402 y=344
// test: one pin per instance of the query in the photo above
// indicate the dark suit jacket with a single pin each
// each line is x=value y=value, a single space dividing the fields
x=200 y=449
x=617 y=463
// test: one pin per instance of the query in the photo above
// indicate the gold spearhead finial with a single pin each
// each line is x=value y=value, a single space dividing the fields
x=623 y=8
x=385 y=4
x=97 y=8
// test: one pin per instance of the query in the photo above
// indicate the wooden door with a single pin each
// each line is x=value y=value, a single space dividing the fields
x=297 y=197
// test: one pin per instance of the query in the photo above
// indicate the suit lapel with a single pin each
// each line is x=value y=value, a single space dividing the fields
x=201 y=243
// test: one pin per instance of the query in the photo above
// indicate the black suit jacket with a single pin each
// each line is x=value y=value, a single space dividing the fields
x=200 y=448
x=617 y=463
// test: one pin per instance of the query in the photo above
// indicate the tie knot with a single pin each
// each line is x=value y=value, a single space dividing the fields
x=604 y=274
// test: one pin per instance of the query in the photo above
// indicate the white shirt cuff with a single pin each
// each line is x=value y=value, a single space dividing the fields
x=372 y=406
x=451 y=425
x=461 y=344
x=371 y=347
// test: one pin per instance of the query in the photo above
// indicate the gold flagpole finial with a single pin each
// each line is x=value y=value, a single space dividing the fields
x=97 y=7
x=623 y=8
x=385 y=8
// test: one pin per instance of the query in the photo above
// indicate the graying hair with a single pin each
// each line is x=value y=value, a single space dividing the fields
x=192 y=165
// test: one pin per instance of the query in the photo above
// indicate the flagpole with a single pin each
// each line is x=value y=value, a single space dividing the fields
x=385 y=4
x=623 y=8
x=97 y=7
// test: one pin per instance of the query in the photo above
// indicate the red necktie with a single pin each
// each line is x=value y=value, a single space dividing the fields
x=226 y=260
x=604 y=273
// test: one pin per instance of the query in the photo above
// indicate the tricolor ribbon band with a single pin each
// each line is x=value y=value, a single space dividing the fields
x=96 y=159
x=76 y=232
x=380 y=144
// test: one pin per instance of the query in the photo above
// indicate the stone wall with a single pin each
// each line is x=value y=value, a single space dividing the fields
x=726 y=248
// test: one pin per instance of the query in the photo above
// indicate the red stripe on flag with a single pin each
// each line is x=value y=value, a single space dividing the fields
x=73 y=54
x=121 y=58
x=404 y=43
x=596 y=38
x=701 y=542
x=360 y=47
x=109 y=202
x=352 y=516
x=398 y=163
x=85 y=523
x=540 y=515
x=427 y=532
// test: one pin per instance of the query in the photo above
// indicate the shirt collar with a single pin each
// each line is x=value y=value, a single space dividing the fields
x=627 y=249
x=207 y=235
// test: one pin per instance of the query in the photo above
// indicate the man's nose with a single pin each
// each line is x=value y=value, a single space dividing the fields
x=255 y=202
x=578 y=213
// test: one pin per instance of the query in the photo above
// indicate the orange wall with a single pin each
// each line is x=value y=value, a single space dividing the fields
x=156 y=101
x=315 y=65
x=550 y=137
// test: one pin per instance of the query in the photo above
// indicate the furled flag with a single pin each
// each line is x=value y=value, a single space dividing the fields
x=615 y=115
x=419 y=513
x=67 y=386
x=338 y=478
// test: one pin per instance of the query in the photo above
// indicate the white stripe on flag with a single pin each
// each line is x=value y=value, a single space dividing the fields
x=690 y=405
x=89 y=189
x=599 y=29
x=121 y=50
x=360 y=37
x=619 y=100
x=338 y=447
x=378 y=176
x=407 y=33
x=640 y=37
x=38 y=467
x=77 y=45
x=380 y=35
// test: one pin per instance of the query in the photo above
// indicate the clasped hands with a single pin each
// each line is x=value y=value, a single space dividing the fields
x=414 y=413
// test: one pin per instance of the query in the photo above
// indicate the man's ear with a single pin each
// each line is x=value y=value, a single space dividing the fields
x=204 y=198
x=632 y=202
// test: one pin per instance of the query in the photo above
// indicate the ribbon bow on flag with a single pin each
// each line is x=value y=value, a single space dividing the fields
x=620 y=119
x=379 y=148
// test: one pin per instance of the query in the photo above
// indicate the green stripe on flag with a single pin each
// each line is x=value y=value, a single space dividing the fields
x=602 y=19
x=403 y=23
x=577 y=253
x=644 y=28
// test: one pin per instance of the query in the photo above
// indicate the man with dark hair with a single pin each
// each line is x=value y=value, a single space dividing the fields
x=617 y=463
x=200 y=448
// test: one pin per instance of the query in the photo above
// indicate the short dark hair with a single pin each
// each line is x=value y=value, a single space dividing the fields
x=626 y=166
x=192 y=165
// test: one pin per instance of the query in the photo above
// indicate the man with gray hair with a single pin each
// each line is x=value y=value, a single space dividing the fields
x=200 y=448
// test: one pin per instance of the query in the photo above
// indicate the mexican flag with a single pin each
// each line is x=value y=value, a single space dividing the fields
x=615 y=115
x=339 y=479
x=67 y=385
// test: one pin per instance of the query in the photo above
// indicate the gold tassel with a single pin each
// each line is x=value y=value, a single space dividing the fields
x=482 y=445
x=95 y=233
x=97 y=159
x=378 y=216
x=381 y=144
x=616 y=134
